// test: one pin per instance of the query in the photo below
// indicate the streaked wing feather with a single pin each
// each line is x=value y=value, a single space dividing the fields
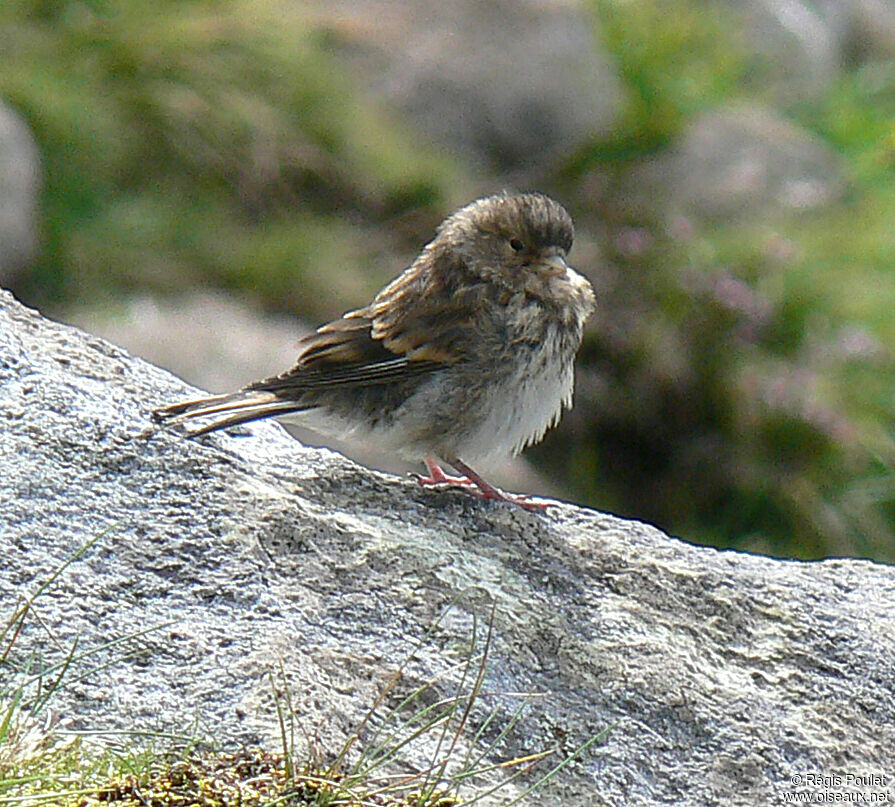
x=344 y=341
x=354 y=375
x=343 y=353
x=429 y=315
x=214 y=403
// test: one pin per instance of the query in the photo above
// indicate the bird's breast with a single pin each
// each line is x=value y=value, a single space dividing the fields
x=522 y=398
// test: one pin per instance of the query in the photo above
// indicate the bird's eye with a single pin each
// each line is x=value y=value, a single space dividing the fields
x=516 y=244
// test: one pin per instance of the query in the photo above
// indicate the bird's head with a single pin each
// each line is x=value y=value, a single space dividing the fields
x=510 y=236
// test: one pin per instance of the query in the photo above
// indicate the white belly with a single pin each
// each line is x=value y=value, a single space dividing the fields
x=520 y=416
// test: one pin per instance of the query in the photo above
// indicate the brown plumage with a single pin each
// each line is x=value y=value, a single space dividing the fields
x=466 y=356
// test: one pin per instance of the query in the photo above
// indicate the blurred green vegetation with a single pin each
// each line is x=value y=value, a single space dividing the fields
x=676 y=58
x=737 y=383
x=212 y=141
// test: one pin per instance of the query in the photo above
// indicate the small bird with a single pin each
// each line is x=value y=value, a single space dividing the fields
x=466 y=357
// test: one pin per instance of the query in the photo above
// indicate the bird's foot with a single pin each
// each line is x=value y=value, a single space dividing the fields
x=438 y=477
x=476 y=485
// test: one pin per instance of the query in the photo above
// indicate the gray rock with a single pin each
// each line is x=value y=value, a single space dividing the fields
x=222 y=564
x=743 y=161
x=873 y=31
x=513 y=84
x=803 y=44
x=807 y=45
x=19 y=188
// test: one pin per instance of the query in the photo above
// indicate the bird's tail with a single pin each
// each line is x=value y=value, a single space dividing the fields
x=235 y=408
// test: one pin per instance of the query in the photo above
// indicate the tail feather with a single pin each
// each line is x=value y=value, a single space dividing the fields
x=239 y=407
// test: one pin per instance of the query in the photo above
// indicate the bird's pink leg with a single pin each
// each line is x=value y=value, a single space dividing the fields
x=488 y=491
x=473 y=482
x=438 y=477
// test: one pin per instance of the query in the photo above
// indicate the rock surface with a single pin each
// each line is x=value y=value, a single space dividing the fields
x=224 y=563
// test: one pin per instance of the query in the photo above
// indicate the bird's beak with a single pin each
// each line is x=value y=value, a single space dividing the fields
x=553 y=265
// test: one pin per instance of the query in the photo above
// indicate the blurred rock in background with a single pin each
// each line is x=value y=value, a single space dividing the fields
x=220 y=176
x=19 y=188
x=512 y=85
x=738 y=162
x=213 y=340
x=805 y=47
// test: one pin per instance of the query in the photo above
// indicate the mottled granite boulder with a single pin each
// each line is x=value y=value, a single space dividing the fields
x=228 y=568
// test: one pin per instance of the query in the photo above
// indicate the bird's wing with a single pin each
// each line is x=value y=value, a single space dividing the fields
x=341 y=354
x=417 y=324
x=344 y=353
x=432 y=315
